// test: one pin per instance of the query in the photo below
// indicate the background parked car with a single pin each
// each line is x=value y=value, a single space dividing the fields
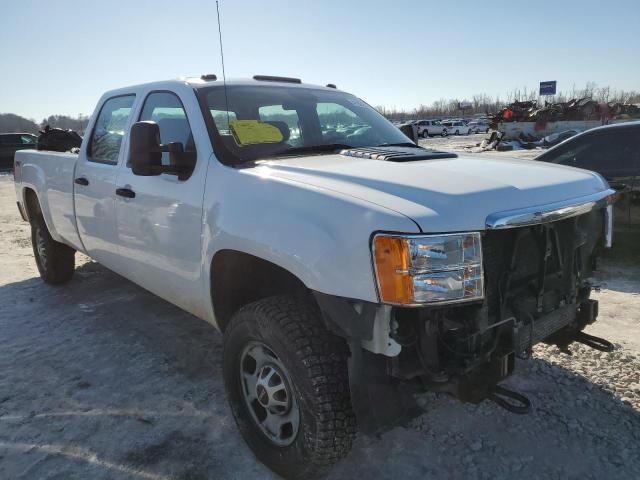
x=614 y=152
x=480 y=126
x=431 y=127
x=457 y=128
x=10 y=143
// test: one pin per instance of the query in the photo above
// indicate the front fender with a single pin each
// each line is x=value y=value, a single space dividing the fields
x=320 y=236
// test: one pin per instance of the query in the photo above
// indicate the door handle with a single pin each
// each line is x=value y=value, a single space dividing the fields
x=126 y=192
x=81 y=181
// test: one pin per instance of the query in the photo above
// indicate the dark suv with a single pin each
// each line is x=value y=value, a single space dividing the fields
x=614 y=152
x=12 y=142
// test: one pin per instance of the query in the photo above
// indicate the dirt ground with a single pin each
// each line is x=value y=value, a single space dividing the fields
x=101 y=380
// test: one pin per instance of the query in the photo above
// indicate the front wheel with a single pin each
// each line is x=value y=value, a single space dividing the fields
x=55 y=260
x=457 y=132
x=287 y=383
x=425 y=134
x=444 y=133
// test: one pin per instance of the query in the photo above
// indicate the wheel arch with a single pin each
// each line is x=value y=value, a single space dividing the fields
x=32 y=206
x=238 y=278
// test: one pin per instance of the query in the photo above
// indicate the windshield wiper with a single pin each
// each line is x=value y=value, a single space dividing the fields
x=404 y=144
x=327 y=147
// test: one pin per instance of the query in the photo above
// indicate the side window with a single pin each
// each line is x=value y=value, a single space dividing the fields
x=166 y=109
x=577 y=153
x=622 y=153
x=108 y=132
x=614 y=153
x=27 y=140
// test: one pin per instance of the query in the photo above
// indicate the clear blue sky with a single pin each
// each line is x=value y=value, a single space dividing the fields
x=59 y=56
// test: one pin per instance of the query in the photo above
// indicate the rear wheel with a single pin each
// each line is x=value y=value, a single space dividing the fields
x=55 y=260
x=287 y=384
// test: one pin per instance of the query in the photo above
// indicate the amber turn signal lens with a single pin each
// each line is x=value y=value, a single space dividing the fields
x=392 y=268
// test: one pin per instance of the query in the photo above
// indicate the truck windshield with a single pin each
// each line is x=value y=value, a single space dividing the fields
x=264 y=121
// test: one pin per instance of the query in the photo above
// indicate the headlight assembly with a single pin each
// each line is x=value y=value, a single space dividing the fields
x=416 y=270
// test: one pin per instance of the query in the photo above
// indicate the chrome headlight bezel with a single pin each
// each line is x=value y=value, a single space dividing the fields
x=405 y=269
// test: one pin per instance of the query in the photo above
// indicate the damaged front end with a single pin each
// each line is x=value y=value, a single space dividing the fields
x=536 y=267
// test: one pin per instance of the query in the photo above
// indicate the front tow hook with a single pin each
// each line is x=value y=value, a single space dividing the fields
x=594 y=342
x=516 y=403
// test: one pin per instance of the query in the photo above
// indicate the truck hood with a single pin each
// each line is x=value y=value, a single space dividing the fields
x=443 y=195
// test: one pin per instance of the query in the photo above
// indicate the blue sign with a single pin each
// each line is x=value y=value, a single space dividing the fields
x=548 y=88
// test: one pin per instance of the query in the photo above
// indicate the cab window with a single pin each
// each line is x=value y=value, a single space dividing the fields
x=108 y=132
x=166 y=109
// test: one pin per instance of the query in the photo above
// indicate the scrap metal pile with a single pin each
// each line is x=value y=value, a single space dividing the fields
x=576 y=109
x=527 y=142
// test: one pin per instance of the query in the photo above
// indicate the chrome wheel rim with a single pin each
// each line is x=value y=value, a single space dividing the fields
x=41 y=247
x=266 y=389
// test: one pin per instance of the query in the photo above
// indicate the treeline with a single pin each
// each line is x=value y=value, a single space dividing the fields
x=10 y=123
x=485 y=104
x=478 y=104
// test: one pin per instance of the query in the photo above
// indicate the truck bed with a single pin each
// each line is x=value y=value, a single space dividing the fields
x=50 y=175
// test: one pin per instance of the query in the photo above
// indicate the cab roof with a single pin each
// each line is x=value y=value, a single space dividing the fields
x=209 y=80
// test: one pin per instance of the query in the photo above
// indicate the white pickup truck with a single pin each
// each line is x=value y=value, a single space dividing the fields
x=348 y=268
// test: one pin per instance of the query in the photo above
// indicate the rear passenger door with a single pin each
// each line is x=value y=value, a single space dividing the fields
x=95 y=180
x=159 y=218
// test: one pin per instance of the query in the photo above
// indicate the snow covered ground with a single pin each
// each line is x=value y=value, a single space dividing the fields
x=468 y=144
x=99 y=379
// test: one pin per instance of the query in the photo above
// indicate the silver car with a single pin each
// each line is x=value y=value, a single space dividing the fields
x=428 y=128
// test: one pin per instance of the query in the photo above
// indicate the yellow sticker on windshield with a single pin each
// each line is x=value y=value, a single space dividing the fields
x=251 y=132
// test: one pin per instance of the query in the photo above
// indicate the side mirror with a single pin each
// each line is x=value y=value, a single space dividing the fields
x=411 y=131
x=145 y=152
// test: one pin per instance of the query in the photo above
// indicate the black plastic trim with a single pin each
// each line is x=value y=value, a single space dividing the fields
x=341 y=316
x=273 y=78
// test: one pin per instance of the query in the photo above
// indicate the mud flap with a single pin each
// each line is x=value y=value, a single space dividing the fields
x=379 y=401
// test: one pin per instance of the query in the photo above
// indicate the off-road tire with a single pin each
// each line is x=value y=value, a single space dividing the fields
x=55 y=260
x=316 y=361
